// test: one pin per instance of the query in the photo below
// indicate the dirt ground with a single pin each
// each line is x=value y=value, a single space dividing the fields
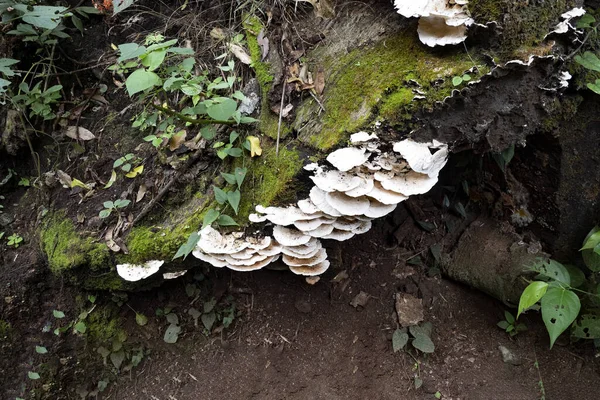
x=296 y=341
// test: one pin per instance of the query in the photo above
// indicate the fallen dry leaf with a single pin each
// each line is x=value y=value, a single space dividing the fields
x=320 y=81
x=79 y=133
x=110 y=243
x=263 y=42
x=176 y=140
x=141 y=193
x=255 y=149
x=240 y=53
x=64 y=179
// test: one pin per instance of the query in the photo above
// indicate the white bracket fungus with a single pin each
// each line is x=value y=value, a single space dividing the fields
x=366 y=184
x=134 y=272
x=441 y=22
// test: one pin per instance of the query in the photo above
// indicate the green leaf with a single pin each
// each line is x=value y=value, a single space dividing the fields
x=185 y=249
x=129 y=51
x=230 y=178
x=141 y=319
x=210 y=217
x=560 y=307
x=209 y=305
x=220 y=195
x=122 y=203
x=594 y=87
x=503 y=325
x=233 y=198
x=208 y=320
x=424 y=344
x=117 y=358
x=399 y=340
x=45 y=17
x=120 y=5
x=233 y=136
x=240 y=174
x=466 y=77
x=234 y=151
x=585 y=21
x=509 y=317
x=80 y=327
x=223 y=109
x=531 y=295
x=589 y=61
x=172 y=334
x=77 y=22
x=5 y=63
x=104 y=213
x=226 y=220
x=208 y=132
x=587 y=327
x=141 y=80
x=154 y=60
x=41 y=350
x=553 y=270
x=457 y=80
x=591 y=241
x=33 y=375
x=576 y=275
x=58 y=314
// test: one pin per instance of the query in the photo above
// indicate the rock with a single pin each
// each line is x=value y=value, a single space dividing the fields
x=6 y=219
x=303 y=306
x=509 y=357
x=409 y=309
x=360 y=299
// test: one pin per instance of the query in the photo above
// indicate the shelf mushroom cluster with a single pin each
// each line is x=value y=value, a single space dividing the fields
x=364 y=184
x=441 y=22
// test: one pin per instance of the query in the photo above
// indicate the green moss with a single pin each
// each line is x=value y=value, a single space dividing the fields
x=67 y=249
x=268 y=122
x=104 y=325
x=268 y=178
x=395 y=103
x=365 y=77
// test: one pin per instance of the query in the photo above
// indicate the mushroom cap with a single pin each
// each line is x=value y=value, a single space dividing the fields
x=378 y=210
x=339 y=235
x=347 y=158
x=317 y=258
x=304 y=251
x=273 y=249
x=212 y=260
x=312 y=270
x=364 y=227
x=365 y=187
x=312 y=224
x=308 y=207
x=255 y=266
x=331 y=181
x=257 y=243
x=410 y=183
x=346 y=224
x=419 y=157
x=320 y=231
x=347 y=205
x=257 y=258
x=212 y=242
x=285 y=215
x=385 y=196
x=317 y=196
x=289 y=237
x=434 y=31
x=135 y=272
x=360 y=137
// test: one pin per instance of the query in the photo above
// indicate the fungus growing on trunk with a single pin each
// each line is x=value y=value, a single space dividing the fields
x=134 y=273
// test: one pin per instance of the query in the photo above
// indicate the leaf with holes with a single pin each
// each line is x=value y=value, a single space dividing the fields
x=553 y=270
x=587 y=327
x=560 y=307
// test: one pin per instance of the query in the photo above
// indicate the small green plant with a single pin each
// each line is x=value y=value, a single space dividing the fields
x=563 y=291
x=510 y=325
x=419 y=337
x=110 y=206
x=24 y=182
x=459 y=80
x=591 y=62
x=14 y=240
x=38 y=101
